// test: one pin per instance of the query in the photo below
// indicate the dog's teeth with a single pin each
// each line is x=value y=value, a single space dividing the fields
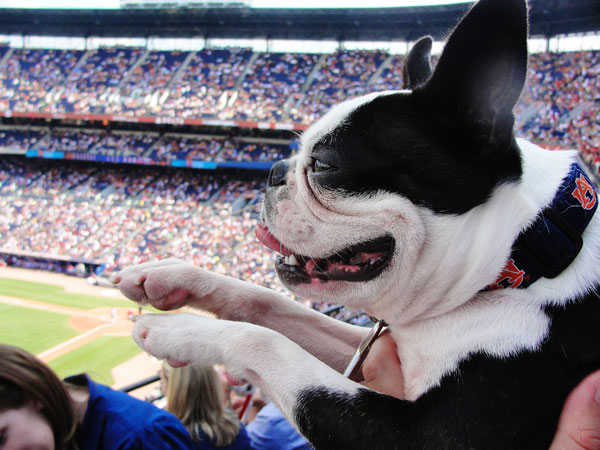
x=292 y=261
x=356 y=259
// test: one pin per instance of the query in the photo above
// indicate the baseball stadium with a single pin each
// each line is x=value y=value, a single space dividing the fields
x=147 y=130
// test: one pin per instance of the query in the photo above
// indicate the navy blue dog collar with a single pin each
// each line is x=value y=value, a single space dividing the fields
x=553 y=241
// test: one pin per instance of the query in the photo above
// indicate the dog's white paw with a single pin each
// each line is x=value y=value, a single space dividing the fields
x=180 y=338
x=165 y=284
x=189 y=338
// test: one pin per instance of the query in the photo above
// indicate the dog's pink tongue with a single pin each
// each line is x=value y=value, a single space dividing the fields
x=264 y=235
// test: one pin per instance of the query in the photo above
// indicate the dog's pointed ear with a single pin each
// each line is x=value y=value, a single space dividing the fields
x=482 y=70
x=417 y=67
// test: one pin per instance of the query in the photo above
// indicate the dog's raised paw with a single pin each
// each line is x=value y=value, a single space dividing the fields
x=160 y=283
x=181 y=339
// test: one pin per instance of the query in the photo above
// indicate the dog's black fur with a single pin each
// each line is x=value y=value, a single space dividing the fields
x=487 y=403
x=446 y=145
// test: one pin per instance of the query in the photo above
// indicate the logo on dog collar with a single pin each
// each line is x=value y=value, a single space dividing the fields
x=584 y=193
x=510 y=277
x=553 y=241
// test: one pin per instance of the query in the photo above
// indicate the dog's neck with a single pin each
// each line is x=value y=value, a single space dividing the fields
x=437 y=281
x=499 y=322
x=551 y=243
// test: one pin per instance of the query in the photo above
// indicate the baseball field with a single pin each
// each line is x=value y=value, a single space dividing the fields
x=72 y=326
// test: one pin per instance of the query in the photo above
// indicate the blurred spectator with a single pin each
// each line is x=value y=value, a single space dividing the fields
x=268 y=428
x=77 y=413
x=194 y=394
x=19 y=139
x=207 y=85
x=191 y=147
x=146 y=88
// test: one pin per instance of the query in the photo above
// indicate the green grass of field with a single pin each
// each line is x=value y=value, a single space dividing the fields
x=51 y=293
x=96 y=358
x=36 y=330
x=32 y=329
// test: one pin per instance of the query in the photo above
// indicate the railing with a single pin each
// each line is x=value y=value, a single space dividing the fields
x=140 y=384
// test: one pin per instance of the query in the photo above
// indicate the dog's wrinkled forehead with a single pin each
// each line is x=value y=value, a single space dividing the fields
x=335 y=119
x=399 y=142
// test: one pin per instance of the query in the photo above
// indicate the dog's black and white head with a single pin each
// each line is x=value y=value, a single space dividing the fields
x=381 y=208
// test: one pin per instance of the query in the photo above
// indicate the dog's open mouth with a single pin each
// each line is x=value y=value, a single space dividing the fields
x=361 y=262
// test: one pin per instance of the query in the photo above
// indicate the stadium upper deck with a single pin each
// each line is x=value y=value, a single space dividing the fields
x=547 y=18
x=559 y=107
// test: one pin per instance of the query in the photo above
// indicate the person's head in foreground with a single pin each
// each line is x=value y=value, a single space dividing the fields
x=35 y=409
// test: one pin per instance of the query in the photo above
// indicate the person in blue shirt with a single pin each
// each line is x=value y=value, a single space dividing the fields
x=195 y=396
x=38 y=410
x=270 y=430
x=110 y=419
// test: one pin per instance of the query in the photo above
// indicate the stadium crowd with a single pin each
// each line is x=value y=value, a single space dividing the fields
x=148 y=82
x=343 y=75
x=559 y=107
x=122 y=216
x=184 y=147
x=563 y=92
x=155 y=147
x=207 y=85
x=276 y=78
x=20 y=139
x=264 y=86
x=94 y=84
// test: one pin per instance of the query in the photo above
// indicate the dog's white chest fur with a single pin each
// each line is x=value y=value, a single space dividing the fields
x=497 y=323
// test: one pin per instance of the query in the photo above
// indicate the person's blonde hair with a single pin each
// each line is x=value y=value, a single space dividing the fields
x=195 y=396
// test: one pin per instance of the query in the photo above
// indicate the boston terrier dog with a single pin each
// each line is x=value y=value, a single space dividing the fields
x=420 y=207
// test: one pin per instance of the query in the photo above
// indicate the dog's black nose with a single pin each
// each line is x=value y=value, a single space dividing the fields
x=277 y=174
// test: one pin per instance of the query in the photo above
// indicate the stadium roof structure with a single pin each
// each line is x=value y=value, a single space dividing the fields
x=548 y=18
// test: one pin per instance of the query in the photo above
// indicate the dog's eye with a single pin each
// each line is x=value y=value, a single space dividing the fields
x=320 y=166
